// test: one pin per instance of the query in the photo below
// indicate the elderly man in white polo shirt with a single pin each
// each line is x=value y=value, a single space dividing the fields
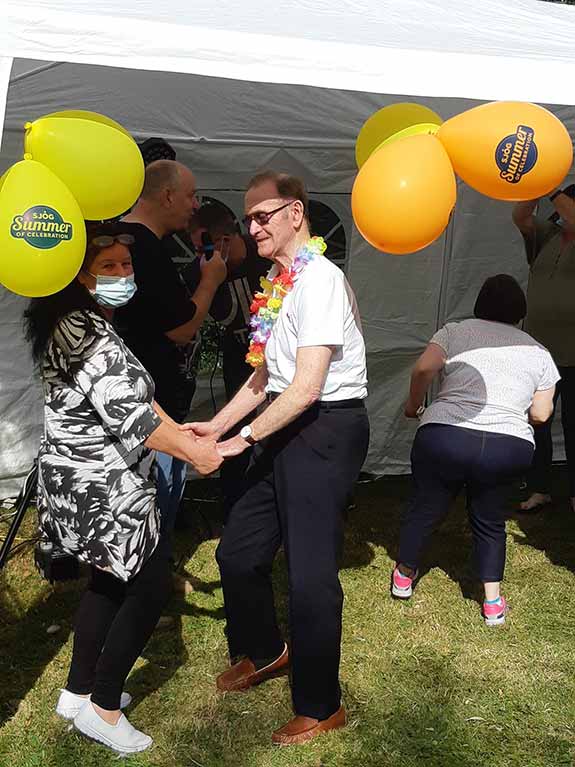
x=310 y=442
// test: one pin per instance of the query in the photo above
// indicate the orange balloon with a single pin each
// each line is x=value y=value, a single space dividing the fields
x=508 y=150
x=403 y=195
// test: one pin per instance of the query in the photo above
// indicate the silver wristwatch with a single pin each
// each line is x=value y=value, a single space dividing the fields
x=246 y=433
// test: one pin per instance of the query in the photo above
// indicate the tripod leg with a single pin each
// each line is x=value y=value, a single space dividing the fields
x=28 y=490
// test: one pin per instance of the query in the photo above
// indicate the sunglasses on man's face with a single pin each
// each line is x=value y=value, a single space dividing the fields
x=107 y=240
x=263 y=217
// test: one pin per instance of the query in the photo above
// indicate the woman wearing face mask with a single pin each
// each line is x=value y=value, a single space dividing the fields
x=96 y=489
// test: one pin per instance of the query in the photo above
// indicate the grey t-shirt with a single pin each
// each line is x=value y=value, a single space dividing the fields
x=490 y=376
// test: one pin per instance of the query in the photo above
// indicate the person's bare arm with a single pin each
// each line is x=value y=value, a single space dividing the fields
x=202 y=454
x=164 y=416
x=426 y=368
x=565 y=206
x=523 y=217
x=248 y=398
x=542 y=406
x=312 y=365
x=214 y=273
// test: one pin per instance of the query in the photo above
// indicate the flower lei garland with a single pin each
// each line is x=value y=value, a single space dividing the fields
x=266 y=305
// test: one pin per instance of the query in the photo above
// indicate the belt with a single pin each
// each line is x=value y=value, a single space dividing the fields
x=339 y=404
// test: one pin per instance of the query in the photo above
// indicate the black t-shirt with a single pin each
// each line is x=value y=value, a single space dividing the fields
x=161 y=303
x=231 y=308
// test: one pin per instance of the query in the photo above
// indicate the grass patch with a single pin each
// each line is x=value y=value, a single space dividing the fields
x=425 y=683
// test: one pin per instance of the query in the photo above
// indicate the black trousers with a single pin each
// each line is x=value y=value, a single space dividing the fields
x=540 y=474
x=296 y=492
x=114 y=621
x=444 y=460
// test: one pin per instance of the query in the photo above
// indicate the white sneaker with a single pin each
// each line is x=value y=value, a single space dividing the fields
x=121 y=737
x=69 y=704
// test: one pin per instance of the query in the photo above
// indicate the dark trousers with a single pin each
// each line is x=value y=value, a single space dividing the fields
x=114 y=621
x=296 y=492
x=540 y=474
x=444 y=460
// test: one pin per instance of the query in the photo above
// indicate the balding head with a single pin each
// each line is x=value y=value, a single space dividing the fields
x=170 y=188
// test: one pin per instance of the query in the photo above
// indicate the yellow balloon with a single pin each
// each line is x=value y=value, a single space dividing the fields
x=387 y=122
x=100 y=164
x=427 y=129
x=404 y=194
x=508 y=150
x=85 y=114
x=42 y=231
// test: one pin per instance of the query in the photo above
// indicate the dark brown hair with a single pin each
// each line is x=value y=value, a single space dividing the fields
x=501 y=299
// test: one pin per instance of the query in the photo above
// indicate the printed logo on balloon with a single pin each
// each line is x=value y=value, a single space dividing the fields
x=516 y=154
x=41 y=227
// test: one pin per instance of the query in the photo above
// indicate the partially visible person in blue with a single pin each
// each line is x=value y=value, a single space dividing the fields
x=495 y=383
x=97 y=488
x=163 y=318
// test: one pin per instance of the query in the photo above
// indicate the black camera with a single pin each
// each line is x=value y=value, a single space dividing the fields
x=53 y=564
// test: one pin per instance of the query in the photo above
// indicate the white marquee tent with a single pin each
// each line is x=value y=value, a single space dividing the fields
x=237 y=87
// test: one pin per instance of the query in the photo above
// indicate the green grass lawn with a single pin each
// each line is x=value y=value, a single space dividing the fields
x=425 y=683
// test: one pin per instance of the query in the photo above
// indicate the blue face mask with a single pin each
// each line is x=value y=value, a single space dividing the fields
x=113 y=292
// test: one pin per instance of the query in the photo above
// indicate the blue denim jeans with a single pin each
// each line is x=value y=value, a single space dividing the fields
x=171 y=483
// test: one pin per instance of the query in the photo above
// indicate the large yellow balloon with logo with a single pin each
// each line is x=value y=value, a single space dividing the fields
x=404 y=194
x=393 y=122
x=508 y=150
x=42 y=231
x=94 y=156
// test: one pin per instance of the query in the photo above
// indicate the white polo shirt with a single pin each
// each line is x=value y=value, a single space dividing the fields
x=320 y=310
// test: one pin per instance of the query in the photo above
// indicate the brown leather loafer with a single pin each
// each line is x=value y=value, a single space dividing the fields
x=304 y=728
x=243 y=675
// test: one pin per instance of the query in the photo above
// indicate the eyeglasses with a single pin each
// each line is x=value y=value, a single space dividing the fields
x=263 y=217
x=107 y=240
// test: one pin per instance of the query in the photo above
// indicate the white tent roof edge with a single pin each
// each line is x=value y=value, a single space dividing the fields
x=148 y=44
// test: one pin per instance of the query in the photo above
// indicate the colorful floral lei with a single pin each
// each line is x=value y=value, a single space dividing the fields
x=266 y=305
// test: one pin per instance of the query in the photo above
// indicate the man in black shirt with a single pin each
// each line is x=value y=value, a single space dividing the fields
x=163 y=317
x=231 y=308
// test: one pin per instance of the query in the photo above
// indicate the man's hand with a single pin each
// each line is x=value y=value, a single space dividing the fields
x=215 y=270
x=232 y=447
x=202 y=429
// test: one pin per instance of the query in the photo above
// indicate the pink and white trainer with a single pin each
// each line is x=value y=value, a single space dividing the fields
x=402 y=585
x=494 y=614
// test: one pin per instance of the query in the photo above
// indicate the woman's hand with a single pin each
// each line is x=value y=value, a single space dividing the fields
x=203 y=456
x=412 y=410
x=232 y=447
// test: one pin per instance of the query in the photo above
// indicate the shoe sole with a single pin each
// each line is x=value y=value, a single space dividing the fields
x=498 y=621
x=96 y=736
x=401 y=593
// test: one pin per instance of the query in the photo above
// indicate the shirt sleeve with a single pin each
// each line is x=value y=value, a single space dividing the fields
x=320 y=310
x=162 y=296
x=441 y=338
x=116 y=387
x=534 y=243
x=549 y=375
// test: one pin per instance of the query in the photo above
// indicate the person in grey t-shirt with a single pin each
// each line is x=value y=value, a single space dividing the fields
x=495 y=382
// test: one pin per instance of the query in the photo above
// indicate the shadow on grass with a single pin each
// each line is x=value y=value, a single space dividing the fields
x=26 y=648
x=551 y=530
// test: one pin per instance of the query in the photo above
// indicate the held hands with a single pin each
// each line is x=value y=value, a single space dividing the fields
x=205 y=432
x=202 y=454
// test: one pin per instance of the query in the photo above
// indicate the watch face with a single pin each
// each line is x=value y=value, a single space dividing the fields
x=246 y=432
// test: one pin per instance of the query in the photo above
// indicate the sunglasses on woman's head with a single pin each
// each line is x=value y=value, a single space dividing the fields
x=107 y=240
